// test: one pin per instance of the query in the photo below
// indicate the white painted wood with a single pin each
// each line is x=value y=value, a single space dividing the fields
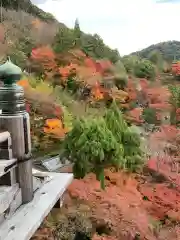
x=41 y=174
x=17 y=202
x=4 y=136
x=13 y=175
x=7 y=196
x=23 y=224
x=37 y=183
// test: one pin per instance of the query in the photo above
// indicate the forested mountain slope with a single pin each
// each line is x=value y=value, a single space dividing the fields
x=170 y=50
x=25 y=27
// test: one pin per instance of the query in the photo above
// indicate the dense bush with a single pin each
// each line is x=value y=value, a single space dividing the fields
x=149 y=115
x=175 y=102
x=94 y=144
x=91 y=146
x=130 y=62
x=144 y=69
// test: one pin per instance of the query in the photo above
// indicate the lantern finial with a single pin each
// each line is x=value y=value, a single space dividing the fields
x=9 y=72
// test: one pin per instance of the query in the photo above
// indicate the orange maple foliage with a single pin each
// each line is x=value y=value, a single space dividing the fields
x=65 y=71
x=55 y=127
x=52 y=126
x=96 y=92
x=45 y=57
x=23 y=83
x=53 y=123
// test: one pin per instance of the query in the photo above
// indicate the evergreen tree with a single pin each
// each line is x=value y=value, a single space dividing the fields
x=64 y=40
x=174 y=101
x=91 y=147
x=95 y=144
x=88 y=45
x=150 y=116
x=77 y=33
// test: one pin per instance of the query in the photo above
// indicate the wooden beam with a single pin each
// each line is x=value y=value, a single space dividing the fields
x=27 y=219
x=5 y=166
x=4 y=136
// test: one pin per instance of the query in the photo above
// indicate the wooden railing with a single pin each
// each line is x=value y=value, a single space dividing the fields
x=4 y=136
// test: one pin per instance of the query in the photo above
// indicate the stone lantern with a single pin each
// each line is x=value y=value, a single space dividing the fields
x=15 y=119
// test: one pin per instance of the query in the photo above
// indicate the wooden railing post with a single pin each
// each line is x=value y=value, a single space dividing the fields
x=15 y=120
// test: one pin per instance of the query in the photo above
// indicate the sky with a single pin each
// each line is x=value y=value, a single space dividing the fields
x=128 y=25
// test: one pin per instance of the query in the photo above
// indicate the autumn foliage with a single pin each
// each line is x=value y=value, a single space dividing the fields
x=141 y=205
x=176 y=68
x=40 y=104
x=43 y=59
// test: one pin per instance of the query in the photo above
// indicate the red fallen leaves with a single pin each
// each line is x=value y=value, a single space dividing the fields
x=166 y=133
x=166 y=164
x=126 y=210
x=135 y=115
x=164 y=199
x=143 y=83
x=119 y=207
x=165 y=169
x=176 y=68
x=96 y=237
x=157 y=94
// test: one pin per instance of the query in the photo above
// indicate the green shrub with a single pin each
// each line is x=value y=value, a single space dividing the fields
x=91 y=147
x=149 y=115
x=121 y=81
x=94 y=144
x=144 y=69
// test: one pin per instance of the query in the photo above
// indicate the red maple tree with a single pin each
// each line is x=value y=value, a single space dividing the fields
x=43 y=58
x=175 y=68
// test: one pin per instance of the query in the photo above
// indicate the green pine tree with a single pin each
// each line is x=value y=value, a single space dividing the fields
x=95 y=144
x=64 y=40
x=77 y=33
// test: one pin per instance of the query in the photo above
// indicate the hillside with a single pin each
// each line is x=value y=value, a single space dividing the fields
x=24 y=26
x=169 y=50
x=109 y=117
x=28 y=7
